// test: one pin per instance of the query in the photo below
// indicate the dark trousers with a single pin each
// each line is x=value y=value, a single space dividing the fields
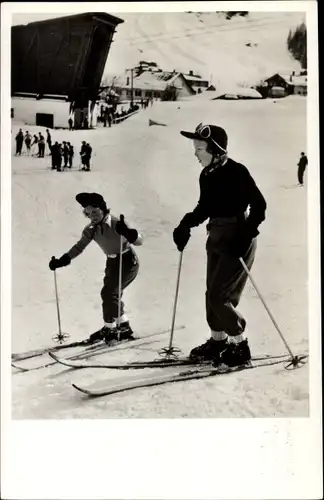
x=41 y=150
x=19 y=145
x=87 y=162
x=300 y=173
x=226 y=280
x=109 y=292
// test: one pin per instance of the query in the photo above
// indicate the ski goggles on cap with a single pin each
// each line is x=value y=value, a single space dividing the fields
x=208 y=133
x=205 y=132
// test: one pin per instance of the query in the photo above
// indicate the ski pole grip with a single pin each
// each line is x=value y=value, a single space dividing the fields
x=122 y=218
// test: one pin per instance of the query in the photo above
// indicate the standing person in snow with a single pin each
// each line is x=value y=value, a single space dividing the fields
x=226 y=191
x=65 y=154
x=49 y=140
x=34 y=143
x=106 y=230
x=53 y=155
x=58 y=157
x=19 y=142
x=28 y=139
x=303 y=161
x=83 y=151
x=41 y=145
x=88 y=156
x=71 y=154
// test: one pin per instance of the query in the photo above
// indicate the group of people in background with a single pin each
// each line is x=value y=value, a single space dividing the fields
x=109 y=114
x=62 y=154
x=30 y=141
x=145 y=102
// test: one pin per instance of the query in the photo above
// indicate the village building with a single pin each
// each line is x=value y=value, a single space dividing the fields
x=196 y=81
x=152 y=85
x=57 y=67
x=281 y=85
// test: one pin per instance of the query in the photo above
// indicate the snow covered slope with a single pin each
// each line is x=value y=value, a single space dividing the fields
x=151 y=175
x=207 y=43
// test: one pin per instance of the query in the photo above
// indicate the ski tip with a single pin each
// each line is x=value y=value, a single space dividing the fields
x=53 y=356
x=84 y=391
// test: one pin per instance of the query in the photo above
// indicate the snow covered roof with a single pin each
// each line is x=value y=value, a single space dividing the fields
x=194 y=78
x=292 y=79
x=147 y=81
x=229 y=90
x=155 y=80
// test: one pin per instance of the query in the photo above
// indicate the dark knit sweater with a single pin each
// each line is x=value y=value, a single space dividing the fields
x=227 y=191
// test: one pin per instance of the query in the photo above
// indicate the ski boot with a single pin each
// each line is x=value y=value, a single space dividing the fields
x=126 y=331
x=102 y=334
x=234 y=355
x=208 y=351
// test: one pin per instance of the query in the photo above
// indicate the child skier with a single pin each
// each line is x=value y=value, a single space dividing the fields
x=106 y=230
x=226 y=191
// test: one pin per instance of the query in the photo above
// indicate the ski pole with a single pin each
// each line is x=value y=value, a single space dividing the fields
x=60 y=337
x=170 y=350
x=295 y=360
x=120 y=279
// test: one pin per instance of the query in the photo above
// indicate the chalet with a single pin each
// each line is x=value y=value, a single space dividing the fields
x=196 y=82
x=288 y=83
x=152 y=85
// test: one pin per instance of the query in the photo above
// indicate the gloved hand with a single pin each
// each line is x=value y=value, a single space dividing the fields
x=181 y=236
x=131 y=235
x=241 y=242
x=61 y=262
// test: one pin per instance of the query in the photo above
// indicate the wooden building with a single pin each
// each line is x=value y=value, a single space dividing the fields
x=62 y=58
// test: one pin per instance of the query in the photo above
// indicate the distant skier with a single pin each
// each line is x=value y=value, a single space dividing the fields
x=83 y=151
x=70 y=154
x=34 y=143
x=88 y=153
x=58 y=157
x=48 y=140
x=70 y=122
x=65 y=150
x=54 y=148
x=28 y=139
x=41 y=145
x=19 y=142
x=303 y=162
x=226 y=191
x=105 y=229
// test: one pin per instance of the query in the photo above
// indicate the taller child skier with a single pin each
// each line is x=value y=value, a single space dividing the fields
x=106 y=229
x=226 y=191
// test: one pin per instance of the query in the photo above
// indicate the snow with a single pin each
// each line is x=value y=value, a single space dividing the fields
x=207 y=44
x=151 y=175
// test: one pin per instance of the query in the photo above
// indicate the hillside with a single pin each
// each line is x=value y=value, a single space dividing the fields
x=207 y=43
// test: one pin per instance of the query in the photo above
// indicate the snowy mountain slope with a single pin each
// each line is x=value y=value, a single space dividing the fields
x=207 y=43
x=151 y=175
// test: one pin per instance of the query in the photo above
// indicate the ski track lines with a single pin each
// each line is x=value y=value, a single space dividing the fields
x=144 y=179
